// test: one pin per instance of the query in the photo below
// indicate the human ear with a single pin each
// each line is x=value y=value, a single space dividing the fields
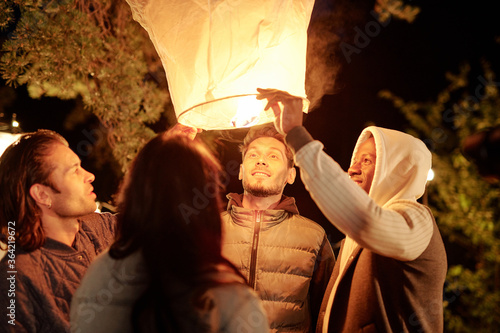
x=40 y=194
x=292 y=173
x=240 y=175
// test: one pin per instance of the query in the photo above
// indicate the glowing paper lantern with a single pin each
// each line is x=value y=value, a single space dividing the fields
x=217 y=53
x=6 y=139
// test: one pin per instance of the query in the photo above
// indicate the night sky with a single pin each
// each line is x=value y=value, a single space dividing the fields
x=411 y=61
x=408 y=59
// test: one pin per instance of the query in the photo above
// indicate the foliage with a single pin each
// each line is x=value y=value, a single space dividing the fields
x=467 y=207
x=92 y=49
x=6 y=15
x=396 y=8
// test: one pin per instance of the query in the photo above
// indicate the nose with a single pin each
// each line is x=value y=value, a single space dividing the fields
x=261 y=161
x=89 y=177
x=354 y=170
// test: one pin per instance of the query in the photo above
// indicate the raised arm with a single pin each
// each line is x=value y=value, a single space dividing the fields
x=401 y=230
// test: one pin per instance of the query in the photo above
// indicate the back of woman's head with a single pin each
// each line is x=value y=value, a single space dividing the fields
x=170 y=207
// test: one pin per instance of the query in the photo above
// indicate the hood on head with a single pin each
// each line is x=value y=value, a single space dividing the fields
x=401 y=167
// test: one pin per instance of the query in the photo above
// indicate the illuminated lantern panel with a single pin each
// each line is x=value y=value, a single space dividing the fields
x=217 y=53
x=6 y=139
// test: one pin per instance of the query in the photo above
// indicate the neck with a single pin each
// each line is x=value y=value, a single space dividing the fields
x=60 y=229
x=260 y=203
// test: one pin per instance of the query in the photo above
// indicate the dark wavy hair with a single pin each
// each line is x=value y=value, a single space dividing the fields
x=23 y=164
x=170 y=208
x=267 y=130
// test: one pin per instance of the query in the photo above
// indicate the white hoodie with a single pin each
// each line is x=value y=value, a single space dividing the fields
x=389 y=220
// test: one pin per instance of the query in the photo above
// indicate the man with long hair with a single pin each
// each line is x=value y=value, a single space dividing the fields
x=286 y=258
x=50 y=230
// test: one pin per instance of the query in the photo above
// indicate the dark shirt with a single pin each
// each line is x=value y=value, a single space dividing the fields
x=36 y=292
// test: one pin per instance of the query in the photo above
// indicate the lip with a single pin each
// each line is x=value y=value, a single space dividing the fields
x=260 y=173
x=357 y=181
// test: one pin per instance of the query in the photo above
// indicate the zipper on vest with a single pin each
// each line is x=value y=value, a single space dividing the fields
x=255 y=245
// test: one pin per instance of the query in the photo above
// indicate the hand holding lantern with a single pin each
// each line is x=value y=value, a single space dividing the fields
x=290 y=116
x=180 y=129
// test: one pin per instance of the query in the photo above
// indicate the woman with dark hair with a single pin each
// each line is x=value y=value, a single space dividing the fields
x=165 y=271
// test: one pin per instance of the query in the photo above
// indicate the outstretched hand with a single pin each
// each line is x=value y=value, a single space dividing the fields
x=290 y=116
x=189 y=132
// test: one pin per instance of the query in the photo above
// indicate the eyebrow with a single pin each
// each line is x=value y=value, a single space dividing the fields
x=271 y=148
x=364 y=155
x=76 y=164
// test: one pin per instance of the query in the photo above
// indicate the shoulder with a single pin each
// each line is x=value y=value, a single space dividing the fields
x=28 y=270
x=304 y=233
x=413 y=211
x=21 y=261
x=235 y=288
x=107 y=220
x=102 y=224
x=108 y=289
x=304 y=223
x=106 y=272
x=226 y=219
x=421 y=227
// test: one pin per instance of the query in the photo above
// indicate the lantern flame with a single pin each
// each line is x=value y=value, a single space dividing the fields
x=247 y=114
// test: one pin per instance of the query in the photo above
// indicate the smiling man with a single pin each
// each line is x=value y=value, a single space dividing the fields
x=47 y=221
x=392 y=263
x=363 y=165
x=286 y=258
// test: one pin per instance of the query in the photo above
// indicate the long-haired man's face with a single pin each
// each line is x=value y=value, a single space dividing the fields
x=73 y=195
x=265 y=170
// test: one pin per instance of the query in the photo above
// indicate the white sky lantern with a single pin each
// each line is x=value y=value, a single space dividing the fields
x=217 y=53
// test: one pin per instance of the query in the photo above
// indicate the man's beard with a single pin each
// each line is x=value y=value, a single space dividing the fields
x=258 y=190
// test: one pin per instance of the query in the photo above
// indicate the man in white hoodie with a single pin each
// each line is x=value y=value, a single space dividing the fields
x=392 y=264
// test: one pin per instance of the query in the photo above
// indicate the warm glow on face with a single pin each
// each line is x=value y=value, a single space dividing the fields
x=362 y=170
x=248 y=111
